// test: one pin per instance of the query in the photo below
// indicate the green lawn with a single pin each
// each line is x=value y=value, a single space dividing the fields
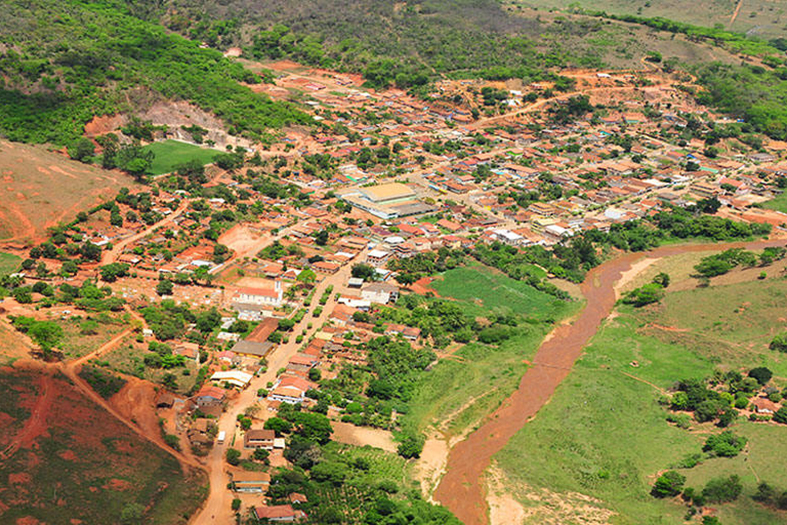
x=171 y=153
x=9 y=263
x=604 y=434
x=486 y=288
x=778 y=203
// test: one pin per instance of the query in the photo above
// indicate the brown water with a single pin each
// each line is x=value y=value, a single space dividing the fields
x=462 y=487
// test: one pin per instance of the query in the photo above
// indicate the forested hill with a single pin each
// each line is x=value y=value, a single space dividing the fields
x=65 y=61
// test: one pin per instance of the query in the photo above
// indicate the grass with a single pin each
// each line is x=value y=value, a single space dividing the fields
x=461 y=389
x=604 y=435
x=480 y=286
x=458 y=392
x=171 y=153
x=42 y=188
x=76 y=344
x=778 y=203
x=128 y=358
x=9 y=263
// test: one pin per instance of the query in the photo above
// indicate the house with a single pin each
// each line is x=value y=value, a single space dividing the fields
x=290 y=389
x=763 y=405
x=250 y=482
x=263 y=330
x=261 y=296
x=252 y=348
x=187 y=350
x=278 y=514
x=209 y=395
x=408 y=332
x=199 y=433
x=380 y=293
x=259 y=438
x=377 y=257
x=233 y=377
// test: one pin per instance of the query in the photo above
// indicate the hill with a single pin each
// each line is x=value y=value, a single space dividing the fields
x=64 y=62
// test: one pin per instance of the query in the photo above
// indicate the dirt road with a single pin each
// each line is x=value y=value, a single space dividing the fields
x=216 y=508
x=112 y=255
x=462 y=487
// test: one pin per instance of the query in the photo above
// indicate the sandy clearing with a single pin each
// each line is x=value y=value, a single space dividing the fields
x=629 y=275
x=503 y=508
x=361 y=436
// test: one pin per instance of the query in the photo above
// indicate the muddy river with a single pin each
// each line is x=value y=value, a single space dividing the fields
x=462 y=488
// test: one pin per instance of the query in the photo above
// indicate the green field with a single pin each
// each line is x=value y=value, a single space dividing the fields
x=484 y=288
x=9 y=263
x=604 y=434
x=778 y=203
x=171 y=153
x=461 y=389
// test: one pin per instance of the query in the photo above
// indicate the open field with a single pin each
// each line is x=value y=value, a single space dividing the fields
x=41 y=188
x=68 y=461
x=79 y=340
x=574 y=446
x=171 y=153
x=762 y=18
x=9 y=263
x=489 y=289
x=778 y=203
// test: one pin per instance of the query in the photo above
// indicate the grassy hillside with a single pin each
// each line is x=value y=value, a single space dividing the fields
x=65 y=61
x=611 y=397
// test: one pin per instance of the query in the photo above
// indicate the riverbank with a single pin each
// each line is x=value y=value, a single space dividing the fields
x=462 y=488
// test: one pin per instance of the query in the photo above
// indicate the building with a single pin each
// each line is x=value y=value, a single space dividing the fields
x=278 y=514
x=252 y=348
x=377 y=257
x=233 y=377
x=290 y=389
x=261 y=296
x=250 y=482
x=380 y=293
x=387 y=201
x=259 y=438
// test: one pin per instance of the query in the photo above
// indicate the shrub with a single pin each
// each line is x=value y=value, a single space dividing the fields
x=779 y=342
x=668 y=485
x=722 y=490
x=726 y=444
x=761 y=374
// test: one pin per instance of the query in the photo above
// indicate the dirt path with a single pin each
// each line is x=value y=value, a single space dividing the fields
x=462 y=488
x=735 y=13
x=111 y=256
x=36 y=423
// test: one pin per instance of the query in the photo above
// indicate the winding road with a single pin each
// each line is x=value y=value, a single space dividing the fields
x=462 y=488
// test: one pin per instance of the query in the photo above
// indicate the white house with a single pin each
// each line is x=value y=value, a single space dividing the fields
x=261 y=296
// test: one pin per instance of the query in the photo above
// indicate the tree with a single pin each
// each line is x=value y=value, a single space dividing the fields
x=780 y=416
x=662 y=279
x=722 y=490
x=306 y=276
x=761 y=374
x=233 y=456
x=321 y=238
x=726 y=444
x=261 y=454
x=278 y=425
x=236 y=504
x=779 y=342
x=286 y=324
x=112 y=271
x=644 y=295
x=192 y=170
x=132 y=513
x=363 y=271
x=330 y=471
x=668 y=485
x=82 y=149
x=164 y=287
x=410 y=446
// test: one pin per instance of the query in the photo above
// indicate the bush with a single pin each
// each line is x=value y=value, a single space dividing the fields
x=668 y=485
x=644 y=295
x=781 y=416
x=761 y=374
x=726 y=444
x=779 y=342
x=233 y=457
x=722 y=490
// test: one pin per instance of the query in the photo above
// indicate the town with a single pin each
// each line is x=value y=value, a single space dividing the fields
x=251 y=293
